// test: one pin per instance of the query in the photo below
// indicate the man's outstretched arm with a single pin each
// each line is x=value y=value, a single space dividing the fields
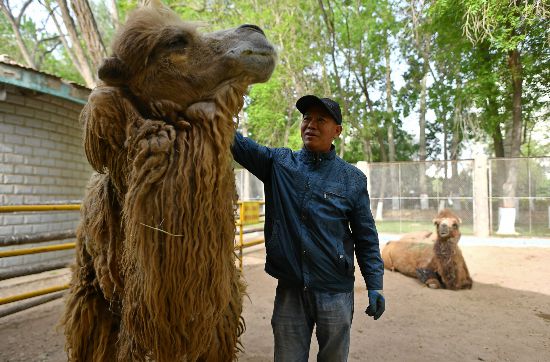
x=252 y=156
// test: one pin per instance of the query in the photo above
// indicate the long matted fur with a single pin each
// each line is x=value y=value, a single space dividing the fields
x=155 y=276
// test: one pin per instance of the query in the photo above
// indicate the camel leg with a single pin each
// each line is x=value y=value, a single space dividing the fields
x=433 y=283
x=91 y=329
x=428 y=277
x=467 y=284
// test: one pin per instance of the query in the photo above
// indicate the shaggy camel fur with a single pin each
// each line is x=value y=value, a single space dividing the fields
x=155 y=275
x=434 y=258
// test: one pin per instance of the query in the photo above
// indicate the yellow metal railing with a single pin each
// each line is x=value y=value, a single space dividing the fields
x=39 y=249
x=248 y=215
x=34 y=293
x=25 y=208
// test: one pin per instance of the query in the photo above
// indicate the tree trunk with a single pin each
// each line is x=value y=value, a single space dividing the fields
x=509 y=187
x=15 y=24
x=389 y=106
x=342 y=143
x=393 y=184
x=82 y=62
x=514 y=62
x=367 y=149
x=83 y=71
x=380 y=138
x=498 y=142
x=329 y=23
x=89 y=31
x=114 y=14
x=422 y=119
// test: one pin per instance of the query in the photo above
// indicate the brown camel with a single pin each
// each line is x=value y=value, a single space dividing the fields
x=155 y=275
x=434 y=258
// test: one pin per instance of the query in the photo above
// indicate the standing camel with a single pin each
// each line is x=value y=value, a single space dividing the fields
x=155 y=276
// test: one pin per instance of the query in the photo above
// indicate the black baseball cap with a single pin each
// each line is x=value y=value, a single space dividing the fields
x=332 y=107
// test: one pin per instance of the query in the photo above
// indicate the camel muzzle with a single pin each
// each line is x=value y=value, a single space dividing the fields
x=444 y=230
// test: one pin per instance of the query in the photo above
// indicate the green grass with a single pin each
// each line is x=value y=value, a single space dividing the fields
x=405 y=226
x=397 y=227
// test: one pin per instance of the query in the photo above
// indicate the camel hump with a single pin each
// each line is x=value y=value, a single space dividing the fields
x=416 y=236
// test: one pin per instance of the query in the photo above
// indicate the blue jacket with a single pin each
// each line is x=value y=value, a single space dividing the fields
x=317 y=212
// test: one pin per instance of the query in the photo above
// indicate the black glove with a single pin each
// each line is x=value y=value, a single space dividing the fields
x=377 y=304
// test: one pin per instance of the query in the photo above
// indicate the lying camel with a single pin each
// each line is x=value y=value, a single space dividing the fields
x=434 y=258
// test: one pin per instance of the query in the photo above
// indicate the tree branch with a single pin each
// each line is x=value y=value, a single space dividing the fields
x=17 y=32
x=23 y=8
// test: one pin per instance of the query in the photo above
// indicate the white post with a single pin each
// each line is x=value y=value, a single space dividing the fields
x=424 y=202
x=379 y=211
x=481 y=196
x=507 y=221
x=364 y=167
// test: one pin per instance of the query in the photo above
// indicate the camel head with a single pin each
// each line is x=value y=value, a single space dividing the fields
x=447 y=225
x=158 y=56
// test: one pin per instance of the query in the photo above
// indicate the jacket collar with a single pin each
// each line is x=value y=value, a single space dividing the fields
x=316 y=157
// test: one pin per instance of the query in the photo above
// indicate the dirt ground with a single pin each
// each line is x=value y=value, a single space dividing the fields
x=505 y=317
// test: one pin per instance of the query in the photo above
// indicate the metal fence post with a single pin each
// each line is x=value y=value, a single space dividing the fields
x=481 y=196
x=364 y=166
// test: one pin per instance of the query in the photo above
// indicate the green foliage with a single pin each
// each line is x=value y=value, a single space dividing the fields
x=266 y=119
x=337 y=49
x=8 y=45
x=486 y=31
x=63 y=67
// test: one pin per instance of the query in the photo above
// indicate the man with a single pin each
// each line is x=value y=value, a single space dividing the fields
x=317 y=215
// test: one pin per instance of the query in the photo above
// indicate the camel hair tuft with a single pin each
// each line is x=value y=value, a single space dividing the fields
x=155 y=276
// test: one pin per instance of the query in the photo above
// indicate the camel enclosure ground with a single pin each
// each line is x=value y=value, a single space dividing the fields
x=505 y=317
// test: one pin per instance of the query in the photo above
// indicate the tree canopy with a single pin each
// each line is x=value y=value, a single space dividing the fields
x=416 y=79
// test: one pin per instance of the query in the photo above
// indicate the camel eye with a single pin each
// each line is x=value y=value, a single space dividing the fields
x=177 y=42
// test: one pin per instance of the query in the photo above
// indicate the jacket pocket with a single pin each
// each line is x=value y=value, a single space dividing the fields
x=340 y=256
x=331 y=205
x=350 y=266
x=333 y=195
x=346 y=265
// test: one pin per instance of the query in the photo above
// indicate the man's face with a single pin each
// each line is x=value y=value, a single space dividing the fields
x=319 y=129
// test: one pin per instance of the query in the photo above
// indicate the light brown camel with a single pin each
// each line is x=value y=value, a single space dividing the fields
x=434 y=258
x=155 y=275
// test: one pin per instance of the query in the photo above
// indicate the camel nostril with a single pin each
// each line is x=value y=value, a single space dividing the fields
x=253 y=27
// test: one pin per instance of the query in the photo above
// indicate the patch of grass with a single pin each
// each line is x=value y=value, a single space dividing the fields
x=401 y=227
x=406 y=226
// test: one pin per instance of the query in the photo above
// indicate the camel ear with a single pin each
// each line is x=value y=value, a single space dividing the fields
x=113 y=71
x=159 y=6
x=153 y=3
x=459 y=220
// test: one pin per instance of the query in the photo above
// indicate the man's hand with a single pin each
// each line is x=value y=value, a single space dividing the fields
x=377 y=304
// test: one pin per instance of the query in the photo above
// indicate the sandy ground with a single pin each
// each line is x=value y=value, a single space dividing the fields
x=505 y=317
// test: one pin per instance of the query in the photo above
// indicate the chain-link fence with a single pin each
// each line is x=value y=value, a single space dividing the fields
x=495 y=196
x=407 y=196
x=249 y=187
x=520 y=196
